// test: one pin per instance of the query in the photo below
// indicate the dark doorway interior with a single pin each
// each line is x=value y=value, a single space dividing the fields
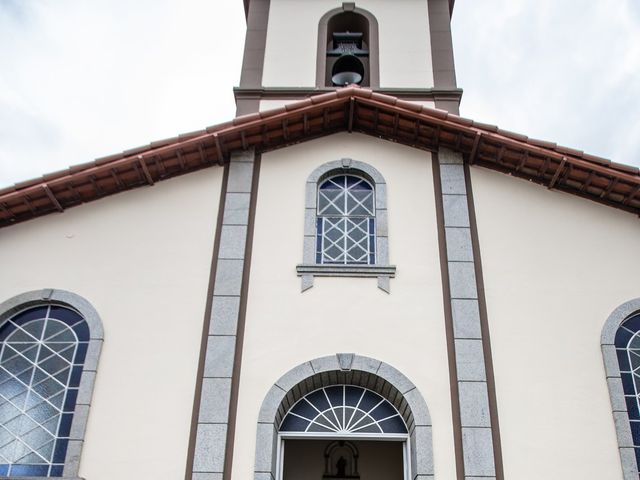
x=356 y=459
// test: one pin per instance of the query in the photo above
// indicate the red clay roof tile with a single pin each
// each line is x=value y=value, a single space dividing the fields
x=200 y=147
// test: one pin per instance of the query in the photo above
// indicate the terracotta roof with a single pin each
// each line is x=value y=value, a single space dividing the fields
x=351 y=109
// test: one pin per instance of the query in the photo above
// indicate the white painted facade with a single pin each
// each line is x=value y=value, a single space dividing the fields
x=554 y=267
x=345 y=314
x=142 y=259
x=151 y=249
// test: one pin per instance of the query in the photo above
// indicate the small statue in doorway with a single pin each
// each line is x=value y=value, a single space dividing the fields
x=341 y=461
x=341 y=467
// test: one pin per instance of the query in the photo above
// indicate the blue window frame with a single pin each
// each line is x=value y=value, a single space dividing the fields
x=42 y=353
x=345 y=221
x=628 y=351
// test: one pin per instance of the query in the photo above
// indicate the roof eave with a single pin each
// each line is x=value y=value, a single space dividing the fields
x=351 y=109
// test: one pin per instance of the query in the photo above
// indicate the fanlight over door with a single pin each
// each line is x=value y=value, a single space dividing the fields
x=344 y=410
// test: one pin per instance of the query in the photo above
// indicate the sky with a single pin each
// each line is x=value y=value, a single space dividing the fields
x=81 y=80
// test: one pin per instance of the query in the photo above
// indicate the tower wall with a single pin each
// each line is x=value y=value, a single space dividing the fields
x=404 y=39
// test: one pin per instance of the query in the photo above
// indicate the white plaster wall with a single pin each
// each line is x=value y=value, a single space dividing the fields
x=425 y=103
x=285 y=327
x=405 y=42
x=292 y=42
x=272 y=104
x=142 y=258
x=555 y=266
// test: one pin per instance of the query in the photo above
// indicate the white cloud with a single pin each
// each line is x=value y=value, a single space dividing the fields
x=80 y=80
x=565 y=71
x=87 y=79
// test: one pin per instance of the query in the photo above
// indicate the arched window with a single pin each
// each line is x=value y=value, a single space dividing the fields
x=45 y=345
x=621 y=350
x=41 y=357
x=346 y=231
x=628 y=352
x=345 y=221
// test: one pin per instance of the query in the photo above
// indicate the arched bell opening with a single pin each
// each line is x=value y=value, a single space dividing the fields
x=347 y=48
x=344 y=416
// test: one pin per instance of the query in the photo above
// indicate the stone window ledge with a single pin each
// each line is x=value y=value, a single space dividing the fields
x=309 y=268
x=382 y=272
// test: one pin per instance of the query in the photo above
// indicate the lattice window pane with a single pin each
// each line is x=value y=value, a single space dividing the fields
x=628 y=351
x=330 y=202
x=38 y=355
x=346 y=221
x=360 y=202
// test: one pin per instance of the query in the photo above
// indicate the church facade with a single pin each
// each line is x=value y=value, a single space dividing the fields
x=347 y=281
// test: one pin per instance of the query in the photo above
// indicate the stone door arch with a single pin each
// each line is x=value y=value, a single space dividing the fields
x=349 y=369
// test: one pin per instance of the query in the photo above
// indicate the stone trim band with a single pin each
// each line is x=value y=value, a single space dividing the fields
x=216 y=420
x=468 y=348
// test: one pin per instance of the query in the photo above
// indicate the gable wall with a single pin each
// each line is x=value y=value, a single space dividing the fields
x=142 y=259
x=286 y=327
x=555 y=266
x=292 y=42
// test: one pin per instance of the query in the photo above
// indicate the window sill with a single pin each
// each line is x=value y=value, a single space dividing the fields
x=382 y=272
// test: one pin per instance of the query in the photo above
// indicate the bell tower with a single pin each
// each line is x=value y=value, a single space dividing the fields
x=296 y=49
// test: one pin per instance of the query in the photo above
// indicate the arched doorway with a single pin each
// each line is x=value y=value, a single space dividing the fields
x=341 y=416
x=343 y=432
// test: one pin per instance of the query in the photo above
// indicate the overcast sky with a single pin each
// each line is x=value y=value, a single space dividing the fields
x=82 y=79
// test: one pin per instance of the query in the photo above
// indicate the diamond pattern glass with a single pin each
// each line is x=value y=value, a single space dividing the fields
x=39 y=352
x=343 y=410
x=345 y=221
